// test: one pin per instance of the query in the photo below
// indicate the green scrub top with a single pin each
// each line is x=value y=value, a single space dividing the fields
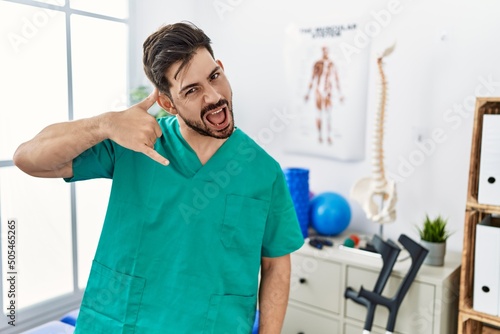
x=181 y=245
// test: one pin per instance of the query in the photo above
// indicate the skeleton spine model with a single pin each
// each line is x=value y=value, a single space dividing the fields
x=376 y=194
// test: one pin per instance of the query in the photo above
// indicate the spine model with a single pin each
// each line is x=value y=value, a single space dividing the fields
x=376 y=194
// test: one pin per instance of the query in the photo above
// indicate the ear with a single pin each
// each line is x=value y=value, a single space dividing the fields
x=165 y=102
x=220 y=64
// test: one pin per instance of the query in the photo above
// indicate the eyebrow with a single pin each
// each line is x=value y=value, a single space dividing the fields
x=217 y=68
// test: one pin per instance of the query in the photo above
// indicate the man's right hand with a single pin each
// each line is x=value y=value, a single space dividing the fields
x=135 y=129
x=51 y=152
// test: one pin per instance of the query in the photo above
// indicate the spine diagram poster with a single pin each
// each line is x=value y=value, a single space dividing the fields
x=328 y=80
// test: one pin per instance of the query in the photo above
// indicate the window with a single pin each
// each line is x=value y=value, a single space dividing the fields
x=60 y=60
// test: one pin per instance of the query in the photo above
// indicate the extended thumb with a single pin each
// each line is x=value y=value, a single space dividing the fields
x=150 y=100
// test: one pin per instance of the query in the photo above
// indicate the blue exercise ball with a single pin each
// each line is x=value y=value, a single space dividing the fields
x=330 y=213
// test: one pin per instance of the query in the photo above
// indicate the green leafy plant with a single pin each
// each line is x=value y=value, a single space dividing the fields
x=140 y=93
x=434 y=230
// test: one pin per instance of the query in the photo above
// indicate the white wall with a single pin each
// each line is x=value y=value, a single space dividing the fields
x=443 y=50
x=145 y=17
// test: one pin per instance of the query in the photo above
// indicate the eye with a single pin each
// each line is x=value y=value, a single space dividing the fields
x=215 y=76
x=190 y=91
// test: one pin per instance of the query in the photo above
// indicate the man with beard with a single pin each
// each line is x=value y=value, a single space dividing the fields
x=196 y=209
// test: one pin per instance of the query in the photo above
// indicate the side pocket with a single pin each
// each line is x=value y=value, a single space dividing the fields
x=231 y=314
x=244 y=222
x=111 y=301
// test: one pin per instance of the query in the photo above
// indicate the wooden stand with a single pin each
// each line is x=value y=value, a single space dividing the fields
x=471 y=321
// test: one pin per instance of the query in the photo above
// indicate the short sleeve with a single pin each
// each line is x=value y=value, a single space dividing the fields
x=282 y=234
x=96 y=162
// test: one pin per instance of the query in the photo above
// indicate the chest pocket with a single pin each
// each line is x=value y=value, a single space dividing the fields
x=244 y=223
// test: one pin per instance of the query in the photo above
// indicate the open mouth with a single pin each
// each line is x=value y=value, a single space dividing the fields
x=218 y=118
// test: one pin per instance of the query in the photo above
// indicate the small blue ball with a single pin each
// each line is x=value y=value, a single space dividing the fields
x=330 y=213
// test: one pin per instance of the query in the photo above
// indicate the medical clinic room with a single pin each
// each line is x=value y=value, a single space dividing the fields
x=249 y=167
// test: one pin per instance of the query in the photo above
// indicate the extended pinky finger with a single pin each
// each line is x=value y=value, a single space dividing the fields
x=155 y=156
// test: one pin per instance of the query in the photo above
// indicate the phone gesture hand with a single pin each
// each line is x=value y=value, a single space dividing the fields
x=137 y=130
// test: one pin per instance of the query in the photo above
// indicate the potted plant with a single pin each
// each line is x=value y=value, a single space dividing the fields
x=433 y=236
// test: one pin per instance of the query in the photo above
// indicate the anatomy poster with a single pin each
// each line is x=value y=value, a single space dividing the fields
x=327 y=71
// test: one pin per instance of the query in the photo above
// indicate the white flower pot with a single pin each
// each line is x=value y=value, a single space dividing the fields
x=437 y=251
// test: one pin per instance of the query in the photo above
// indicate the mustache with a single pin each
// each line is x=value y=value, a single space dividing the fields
x=213 y=106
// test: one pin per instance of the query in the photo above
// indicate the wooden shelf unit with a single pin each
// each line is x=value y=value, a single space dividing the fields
x=471 y=321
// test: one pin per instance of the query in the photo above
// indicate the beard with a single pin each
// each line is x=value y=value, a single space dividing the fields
x=204 y=129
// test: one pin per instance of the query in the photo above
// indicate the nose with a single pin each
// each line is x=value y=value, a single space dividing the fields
x=211 y=95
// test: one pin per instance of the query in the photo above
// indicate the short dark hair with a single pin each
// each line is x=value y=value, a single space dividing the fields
x=168 y=45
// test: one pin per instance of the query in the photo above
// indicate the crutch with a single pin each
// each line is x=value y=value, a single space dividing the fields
x=389 y=252
x=417 y=254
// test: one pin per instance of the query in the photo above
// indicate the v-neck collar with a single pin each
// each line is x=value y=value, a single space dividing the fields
x=189 y=161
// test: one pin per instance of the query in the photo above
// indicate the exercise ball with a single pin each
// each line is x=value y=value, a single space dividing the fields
x=330 y=213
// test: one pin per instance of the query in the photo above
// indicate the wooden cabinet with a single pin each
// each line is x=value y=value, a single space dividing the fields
x=320 y=277
x=471 y=321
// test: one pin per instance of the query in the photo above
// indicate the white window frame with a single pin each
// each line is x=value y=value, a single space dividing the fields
x=55 y=308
